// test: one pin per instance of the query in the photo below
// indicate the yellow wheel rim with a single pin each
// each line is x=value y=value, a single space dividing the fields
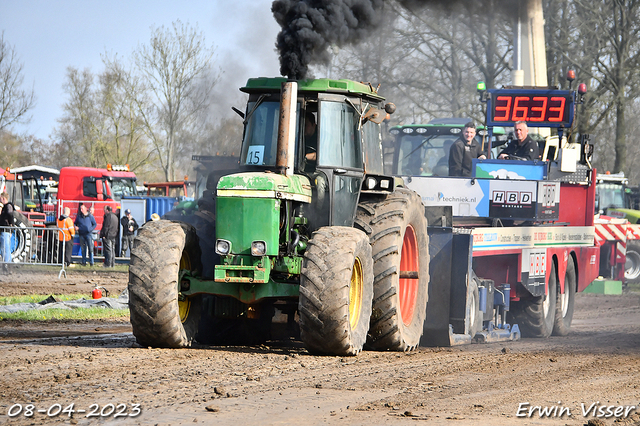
x=183 y=309
x=184 y=305
x=355 y=294
x=185 y=261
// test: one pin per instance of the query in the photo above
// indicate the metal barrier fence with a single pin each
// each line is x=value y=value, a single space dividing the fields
x=34 y=246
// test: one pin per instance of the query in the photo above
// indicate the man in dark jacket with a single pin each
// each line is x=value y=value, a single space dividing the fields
x=463 y=151
x=129 y=228
x=523 y=146
x=85 y=223
x=108 y=233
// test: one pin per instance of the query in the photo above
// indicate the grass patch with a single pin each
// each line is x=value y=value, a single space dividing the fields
x=66 y=314
x=58 y=314
x=35 y=298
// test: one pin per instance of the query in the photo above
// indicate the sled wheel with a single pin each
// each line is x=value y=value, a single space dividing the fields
x=535 y=315
x=473 y=317
x=565 y=302
x=632 y=263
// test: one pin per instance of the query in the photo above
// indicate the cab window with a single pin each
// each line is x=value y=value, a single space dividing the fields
x=339 y=144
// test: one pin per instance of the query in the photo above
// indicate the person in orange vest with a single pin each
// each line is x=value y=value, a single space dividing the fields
x=65 y=235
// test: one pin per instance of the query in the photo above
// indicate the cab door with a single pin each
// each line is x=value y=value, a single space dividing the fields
x=340 y=159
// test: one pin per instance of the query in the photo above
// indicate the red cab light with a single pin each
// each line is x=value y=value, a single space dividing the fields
x=582 y=89
x=571 y=75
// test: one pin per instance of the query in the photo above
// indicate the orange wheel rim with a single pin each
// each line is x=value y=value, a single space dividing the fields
x=409 y=286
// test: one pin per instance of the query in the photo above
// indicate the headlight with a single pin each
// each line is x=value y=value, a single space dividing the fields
x=223 y=247
x=258 y=248
x=371 y=182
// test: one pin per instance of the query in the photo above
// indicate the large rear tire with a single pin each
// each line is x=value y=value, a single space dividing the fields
x=565 y=302
x=160 y=317
x=536 y=315
x=397 y=229
x=336 y=289
x=632 y=263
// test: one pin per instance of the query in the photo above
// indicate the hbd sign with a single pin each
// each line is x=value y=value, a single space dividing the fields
x=512 y=197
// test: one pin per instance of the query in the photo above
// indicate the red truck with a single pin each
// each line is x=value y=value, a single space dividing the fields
x=96 y=187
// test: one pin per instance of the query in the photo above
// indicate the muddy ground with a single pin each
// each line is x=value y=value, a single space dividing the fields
x=94 y=364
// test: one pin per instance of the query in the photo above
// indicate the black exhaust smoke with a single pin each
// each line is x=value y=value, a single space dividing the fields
x=310 y=27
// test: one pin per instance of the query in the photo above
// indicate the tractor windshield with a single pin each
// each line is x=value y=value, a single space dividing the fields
x=424 y=151
x=424 y=155
x=610 y=196
x=261 y=134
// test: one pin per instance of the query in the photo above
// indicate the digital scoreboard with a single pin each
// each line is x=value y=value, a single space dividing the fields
x=537 y=107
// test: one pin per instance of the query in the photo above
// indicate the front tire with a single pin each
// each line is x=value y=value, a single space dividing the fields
x=160 y=317
x=336 y=289
x=535 y=316
x=397 y=229
x=565 y=302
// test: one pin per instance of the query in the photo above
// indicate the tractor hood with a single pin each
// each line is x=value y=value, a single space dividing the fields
x=633 y=216
x=265 y=185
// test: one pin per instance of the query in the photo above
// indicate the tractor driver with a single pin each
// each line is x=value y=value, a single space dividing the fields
x=310 y=141
x=523 y=146
x=463 y=151
x=318 y=179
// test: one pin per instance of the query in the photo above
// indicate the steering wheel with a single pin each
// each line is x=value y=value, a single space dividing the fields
x=515 y=157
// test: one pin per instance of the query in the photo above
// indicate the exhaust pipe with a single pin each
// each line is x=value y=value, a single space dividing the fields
x=287 y=128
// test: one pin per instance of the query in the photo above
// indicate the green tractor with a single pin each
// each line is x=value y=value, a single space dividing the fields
x=311 y=230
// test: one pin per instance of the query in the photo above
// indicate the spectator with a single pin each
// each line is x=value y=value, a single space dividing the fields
x=129 y=228
x=463 y=151
x=108 y=234
x=523 y=146
x=65 y=235
x=85 y=223
x=6 y=221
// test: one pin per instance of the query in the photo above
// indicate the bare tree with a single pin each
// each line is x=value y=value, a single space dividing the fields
x=429 y=60
x=12 y=152
x=120 y=94
x=79 y=127
x=176 y=68
x=601 y=40
x=15 y=103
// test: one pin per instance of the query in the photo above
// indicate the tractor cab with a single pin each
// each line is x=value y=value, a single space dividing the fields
x=423 y=149
x=335 y=140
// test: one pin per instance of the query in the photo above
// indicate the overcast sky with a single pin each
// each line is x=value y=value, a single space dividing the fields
x=51 y=35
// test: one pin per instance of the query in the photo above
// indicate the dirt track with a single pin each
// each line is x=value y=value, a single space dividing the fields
x=99 y=363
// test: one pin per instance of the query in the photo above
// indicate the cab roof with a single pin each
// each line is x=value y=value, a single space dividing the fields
x=438 y=128
x=270 y=84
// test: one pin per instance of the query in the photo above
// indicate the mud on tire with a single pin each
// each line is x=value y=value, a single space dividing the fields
x=336 y=289
x=161 y=249
x=397 y=229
